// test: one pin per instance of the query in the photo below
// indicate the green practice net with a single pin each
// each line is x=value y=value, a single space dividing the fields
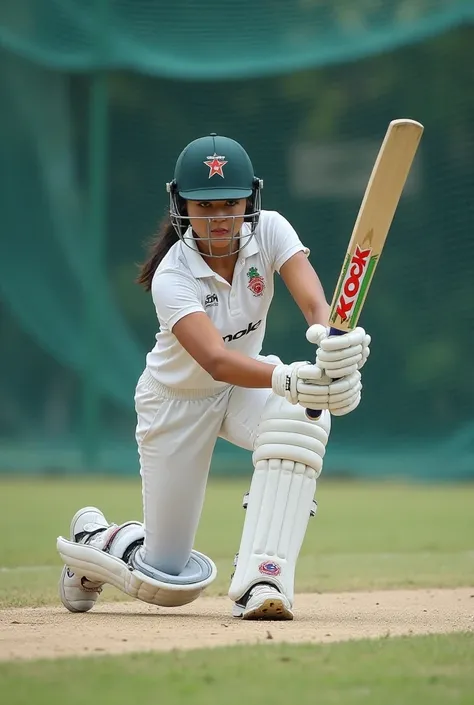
x=98 y=98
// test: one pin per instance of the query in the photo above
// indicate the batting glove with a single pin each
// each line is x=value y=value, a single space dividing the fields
x=339 y=355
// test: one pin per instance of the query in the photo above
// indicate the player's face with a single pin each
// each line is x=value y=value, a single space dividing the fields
x=216 y=223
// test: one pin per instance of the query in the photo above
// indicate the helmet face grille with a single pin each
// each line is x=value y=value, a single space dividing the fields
x=237 y=240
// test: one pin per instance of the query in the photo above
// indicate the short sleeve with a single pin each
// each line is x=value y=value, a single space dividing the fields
x=281 y=240
x=175 y=295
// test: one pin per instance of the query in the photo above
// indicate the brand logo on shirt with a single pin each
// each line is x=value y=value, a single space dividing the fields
x=211 y=300
x=240 y=333
x=256 y=282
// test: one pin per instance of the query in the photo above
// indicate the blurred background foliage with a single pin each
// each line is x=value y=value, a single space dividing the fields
x=99 y=97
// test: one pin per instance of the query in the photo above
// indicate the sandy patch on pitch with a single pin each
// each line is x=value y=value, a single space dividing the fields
x=120 y=627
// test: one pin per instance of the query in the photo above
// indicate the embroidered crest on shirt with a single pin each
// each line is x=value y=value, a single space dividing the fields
x=215 y=164
x=256 y=282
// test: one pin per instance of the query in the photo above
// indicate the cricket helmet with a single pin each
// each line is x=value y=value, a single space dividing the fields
x=214 y=168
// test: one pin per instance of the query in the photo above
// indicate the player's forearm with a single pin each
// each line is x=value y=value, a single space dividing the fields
x=306 y=289
x=235 y=368
x=317 y=312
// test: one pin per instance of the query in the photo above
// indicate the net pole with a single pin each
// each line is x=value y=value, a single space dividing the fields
x=96 y=236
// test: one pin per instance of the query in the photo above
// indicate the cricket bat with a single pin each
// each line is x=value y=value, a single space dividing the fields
x=373 y=222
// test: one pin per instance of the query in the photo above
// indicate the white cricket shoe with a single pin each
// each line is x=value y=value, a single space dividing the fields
x=263 y=601
x=76 y=592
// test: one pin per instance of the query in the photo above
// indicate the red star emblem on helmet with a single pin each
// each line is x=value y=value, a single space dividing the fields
x=215 y=165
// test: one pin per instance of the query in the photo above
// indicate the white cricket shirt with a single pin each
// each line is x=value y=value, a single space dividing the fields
x=183 y=283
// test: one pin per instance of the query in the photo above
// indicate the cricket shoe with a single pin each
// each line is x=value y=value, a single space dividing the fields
x=77 y=593
x=263 y=601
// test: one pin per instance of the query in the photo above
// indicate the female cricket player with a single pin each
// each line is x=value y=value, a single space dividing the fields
x=210 y=273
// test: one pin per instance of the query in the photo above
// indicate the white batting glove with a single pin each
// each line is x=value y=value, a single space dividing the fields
x=340 y=355
x=304 y=384
x=340 y=397
x=317 y=333
x=285 y=380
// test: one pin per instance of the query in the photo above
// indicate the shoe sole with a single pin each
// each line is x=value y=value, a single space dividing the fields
x=272 y=609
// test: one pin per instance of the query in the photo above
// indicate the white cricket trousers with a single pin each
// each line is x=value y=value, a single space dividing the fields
x=176 y=434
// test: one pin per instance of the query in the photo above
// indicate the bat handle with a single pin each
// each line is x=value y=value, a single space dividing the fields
x=314 y=414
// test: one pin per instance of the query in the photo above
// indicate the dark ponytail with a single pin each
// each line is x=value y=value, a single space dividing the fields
x=157 y=249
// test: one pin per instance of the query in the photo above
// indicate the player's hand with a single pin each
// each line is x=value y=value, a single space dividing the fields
x=285 y=380
x=339 y=355
x=321 y=392
x=305 y=384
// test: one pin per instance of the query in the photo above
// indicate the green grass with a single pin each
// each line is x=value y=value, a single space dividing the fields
x=365 y=535
x=423 y=670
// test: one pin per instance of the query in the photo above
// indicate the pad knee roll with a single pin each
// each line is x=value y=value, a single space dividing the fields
x=286 y=433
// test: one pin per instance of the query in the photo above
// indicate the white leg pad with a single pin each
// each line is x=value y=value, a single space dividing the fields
x=288 y=459
x=102 y=567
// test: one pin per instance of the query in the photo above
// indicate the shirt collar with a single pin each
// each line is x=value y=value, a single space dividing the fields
x=252 y=248
x=199 y=268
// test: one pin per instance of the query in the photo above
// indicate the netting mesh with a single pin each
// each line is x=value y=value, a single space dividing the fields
x=206 y=40
x=312 y=133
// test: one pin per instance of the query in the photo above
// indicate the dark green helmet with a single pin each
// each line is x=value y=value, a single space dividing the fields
x=214 y=168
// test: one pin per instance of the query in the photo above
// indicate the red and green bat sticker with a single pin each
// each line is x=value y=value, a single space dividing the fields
x=355 y=279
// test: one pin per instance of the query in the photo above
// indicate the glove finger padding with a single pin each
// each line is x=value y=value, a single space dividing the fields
x=346 y=340
x=312 y=374
x=341 y=396
x=336 y=368
x=341 y=355
x=328 y=387
x=365 y=351
x=285 y=378
x=335 y=408
x=316 y=333
x=304 y=384
x=331 y=357
x=350 y=406
x=339 y=401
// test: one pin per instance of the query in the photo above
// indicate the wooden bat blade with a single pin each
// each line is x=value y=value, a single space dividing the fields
x=373 y=222
x=380 y=201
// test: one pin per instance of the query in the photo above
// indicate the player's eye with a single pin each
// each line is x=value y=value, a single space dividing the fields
x=232 y=203
x=204 y=204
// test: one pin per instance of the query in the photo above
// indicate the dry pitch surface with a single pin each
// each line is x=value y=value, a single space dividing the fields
x=119 y=627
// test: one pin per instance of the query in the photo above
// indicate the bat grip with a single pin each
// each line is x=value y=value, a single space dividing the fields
x=314 y=414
